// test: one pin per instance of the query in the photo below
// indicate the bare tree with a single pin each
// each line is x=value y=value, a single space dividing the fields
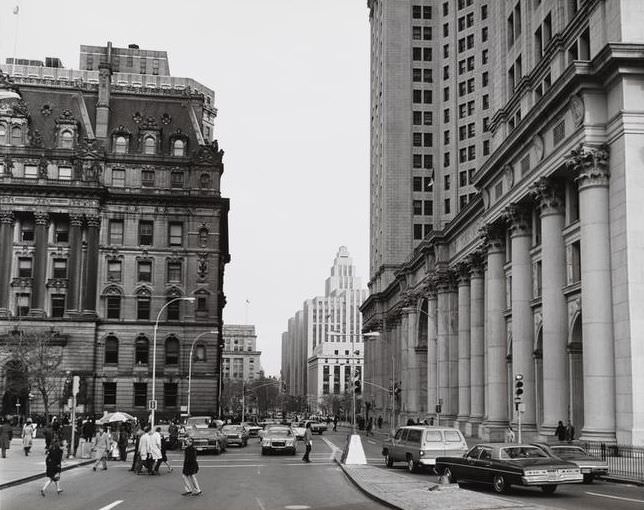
x=35 y=359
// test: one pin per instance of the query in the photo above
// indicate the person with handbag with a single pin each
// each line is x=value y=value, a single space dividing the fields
x=102 y=448
x=53 y=463
x=308 y=441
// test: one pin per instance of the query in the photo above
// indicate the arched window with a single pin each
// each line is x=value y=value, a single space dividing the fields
x=120 y=145
x=3 y=134
x=179 y=148
x=200 y=352
x=172 y=351
x=111 y=350
x=16 y=136
x=143 y=306
x=66 y=140
x=141 y=351
x=149 y=145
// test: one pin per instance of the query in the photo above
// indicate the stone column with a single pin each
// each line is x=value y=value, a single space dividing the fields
x=74 y=263
x=496 y=378
x=410 y=372
x=38 y=289
x=91 y=266
x=7 y=221
x=591 y=166
x=553 y=307
x=464 y=329
x=442 y=334
x=519 y=220
x=432 y=339
x=477 y=322
x=452 y=401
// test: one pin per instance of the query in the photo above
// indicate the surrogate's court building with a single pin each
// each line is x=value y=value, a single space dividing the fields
x=110 y=210
x=541 y=273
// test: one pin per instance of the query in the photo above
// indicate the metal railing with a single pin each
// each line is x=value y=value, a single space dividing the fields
x=623 y=461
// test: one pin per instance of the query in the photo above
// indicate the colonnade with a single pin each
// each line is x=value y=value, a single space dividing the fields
x=479 y=338
x=82 y=262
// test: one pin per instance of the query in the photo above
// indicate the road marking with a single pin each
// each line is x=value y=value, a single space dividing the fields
x=296 y=507
x=621 y=498
x=112 y=505
x=259 y=504
x=331 y=445
x=371 y=442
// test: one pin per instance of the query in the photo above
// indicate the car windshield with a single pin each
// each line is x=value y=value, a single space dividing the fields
x=521 y=452
x=567 y=451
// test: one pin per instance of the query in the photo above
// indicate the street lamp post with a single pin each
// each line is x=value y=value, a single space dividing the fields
x=154 y=354
x=190 y=364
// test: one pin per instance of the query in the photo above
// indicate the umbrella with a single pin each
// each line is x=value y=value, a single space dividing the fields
x=114 y=417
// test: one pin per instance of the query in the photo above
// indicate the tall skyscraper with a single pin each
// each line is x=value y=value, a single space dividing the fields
x=111 y=217
x=324 y=340
x=538 y=278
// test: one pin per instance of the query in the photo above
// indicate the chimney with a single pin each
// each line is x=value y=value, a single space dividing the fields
x=104 y=86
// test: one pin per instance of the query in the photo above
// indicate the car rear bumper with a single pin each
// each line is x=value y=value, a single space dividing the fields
x=547 y=481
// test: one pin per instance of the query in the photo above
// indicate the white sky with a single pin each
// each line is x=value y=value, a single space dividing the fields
x=291 y=81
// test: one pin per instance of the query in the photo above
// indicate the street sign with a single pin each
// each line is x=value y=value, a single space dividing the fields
x=75 y=385
x=152 y=405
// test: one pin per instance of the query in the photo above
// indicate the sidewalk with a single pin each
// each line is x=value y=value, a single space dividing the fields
x=401 y=492
x=19 y=468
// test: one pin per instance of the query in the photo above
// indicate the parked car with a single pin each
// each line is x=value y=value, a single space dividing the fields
x=503 y=465
x=252 y=428
x=279 y=439
x=317 y=427
x=235 y=434
x=591 y=466
x=419 y=445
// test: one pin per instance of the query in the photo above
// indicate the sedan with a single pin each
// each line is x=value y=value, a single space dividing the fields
x=299 y=428
x=591 y=466
x=252 y=428
x=279 y=439
x=235 y=434
x=503 y=465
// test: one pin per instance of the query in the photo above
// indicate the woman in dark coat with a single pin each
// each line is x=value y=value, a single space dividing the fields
x=6 y=434
x=54 y=467
x=190 y=469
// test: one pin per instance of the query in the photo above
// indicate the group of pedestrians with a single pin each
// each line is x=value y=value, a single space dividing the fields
x=149 y=451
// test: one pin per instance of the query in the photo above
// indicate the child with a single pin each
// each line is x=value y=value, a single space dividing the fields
x=190 y=469
x=53 y=462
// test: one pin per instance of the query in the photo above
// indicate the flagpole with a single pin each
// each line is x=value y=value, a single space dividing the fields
x=16 y=12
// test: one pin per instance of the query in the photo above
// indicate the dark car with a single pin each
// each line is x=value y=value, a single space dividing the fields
x=502 y=465
x=235 y=434
x=590 y=466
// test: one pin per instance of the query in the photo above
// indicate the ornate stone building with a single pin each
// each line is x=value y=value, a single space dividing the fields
x=541 y=274
x=110 y=210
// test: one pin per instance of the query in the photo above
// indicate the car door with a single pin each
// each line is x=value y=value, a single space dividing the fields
x=467 y=470
x=397 y=444
x=483 y=466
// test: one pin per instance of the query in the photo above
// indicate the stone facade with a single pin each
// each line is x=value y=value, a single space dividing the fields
x=540 y=275
x=241 y=359
x=110 y=208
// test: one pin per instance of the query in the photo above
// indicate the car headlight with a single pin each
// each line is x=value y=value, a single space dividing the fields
x=536 y=472
x=266 y=442
x=289 y=442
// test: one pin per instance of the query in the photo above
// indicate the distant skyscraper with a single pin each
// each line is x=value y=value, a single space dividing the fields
x=320 y=337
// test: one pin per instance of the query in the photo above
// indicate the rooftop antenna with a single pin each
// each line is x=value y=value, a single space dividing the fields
x=16 y=13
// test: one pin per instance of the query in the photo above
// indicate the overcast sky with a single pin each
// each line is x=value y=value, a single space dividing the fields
x=291 y=81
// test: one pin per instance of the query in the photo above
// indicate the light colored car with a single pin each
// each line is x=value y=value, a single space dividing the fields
x=235 y=434
x=317 y=427
x=268 y=427
x=299 y=428
x=252 y=428
x=419 y=445
x=205 y=434
x=279 y=438
x=590 y=466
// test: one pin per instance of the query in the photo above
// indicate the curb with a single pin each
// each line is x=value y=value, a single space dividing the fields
x=31 y=478
x=363 y=490
x=616 y=479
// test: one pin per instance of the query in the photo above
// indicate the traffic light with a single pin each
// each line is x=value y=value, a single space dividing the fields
x=357 y=384
x=518 y=388
x=397 y=389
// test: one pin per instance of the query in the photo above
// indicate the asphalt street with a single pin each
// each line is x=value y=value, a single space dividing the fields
x=599 y=495
x=240 y=479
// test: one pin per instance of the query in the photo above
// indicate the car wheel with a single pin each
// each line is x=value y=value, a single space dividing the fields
x=588 y=478
x=411 y=465
x=449 y=476
x=389 y=462
x=549 y=489
x=499 y=484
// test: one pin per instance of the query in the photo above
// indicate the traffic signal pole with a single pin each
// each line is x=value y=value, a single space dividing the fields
x=518 y=401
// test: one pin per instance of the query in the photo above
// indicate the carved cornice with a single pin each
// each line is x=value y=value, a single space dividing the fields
x=57 y=283
x=549 y=196
x=518 y=219
x=22 y=282
x=590 y=165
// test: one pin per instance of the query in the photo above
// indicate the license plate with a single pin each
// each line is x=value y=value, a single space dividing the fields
x=553 y=477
